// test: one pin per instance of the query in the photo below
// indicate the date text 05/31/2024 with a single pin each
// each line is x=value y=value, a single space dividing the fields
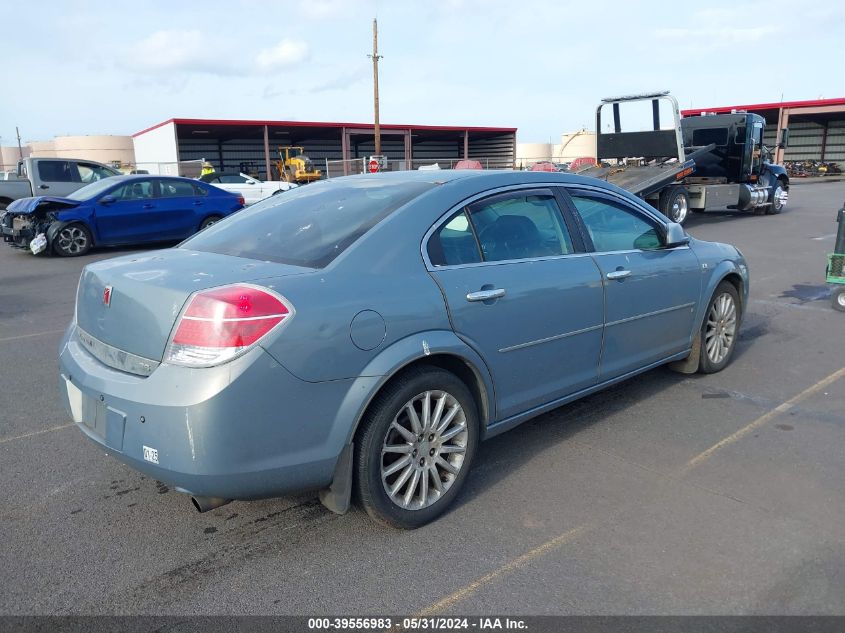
x=416 y=623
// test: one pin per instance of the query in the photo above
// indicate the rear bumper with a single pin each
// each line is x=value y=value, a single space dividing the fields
x=244 y=430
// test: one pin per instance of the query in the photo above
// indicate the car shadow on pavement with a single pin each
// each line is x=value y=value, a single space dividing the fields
x=504 y=454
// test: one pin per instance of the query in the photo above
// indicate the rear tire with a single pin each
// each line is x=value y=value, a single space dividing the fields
x=409 y=467
x=72 y=240
x=674 y=203
x=720 y=329
x=212 y=219
x=837 y=299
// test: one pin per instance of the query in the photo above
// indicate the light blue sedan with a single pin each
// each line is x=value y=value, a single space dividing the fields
x=362 y=335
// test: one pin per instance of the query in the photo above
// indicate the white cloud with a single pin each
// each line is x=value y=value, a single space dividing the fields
x=719 y=36
x=172 y=50
x=323 y=9
x=283 y=55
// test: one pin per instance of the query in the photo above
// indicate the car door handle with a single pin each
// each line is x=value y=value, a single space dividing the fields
x=43 y=186
x=198 y=203
x=149 y=206
x=486 y=295
x=618 y=274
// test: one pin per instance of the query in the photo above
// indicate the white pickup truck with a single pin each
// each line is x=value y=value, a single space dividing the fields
x=51 y=177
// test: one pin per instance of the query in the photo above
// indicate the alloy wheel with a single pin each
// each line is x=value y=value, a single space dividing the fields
x=720 y=332
x=72 y=240
x=423 y=450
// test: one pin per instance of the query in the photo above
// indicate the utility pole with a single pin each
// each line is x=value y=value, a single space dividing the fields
x=20 y=149
x=375 y=57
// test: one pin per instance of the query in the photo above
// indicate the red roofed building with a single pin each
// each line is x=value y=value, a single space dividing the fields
x=335 y=148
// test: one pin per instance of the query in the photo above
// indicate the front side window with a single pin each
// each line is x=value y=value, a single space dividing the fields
x=520 y=226
x=232 y=179
x=57 y=171
x=91 y=173
x=613 y=226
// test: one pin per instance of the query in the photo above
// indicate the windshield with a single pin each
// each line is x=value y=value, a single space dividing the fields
x=93 y=190
x=308 y=226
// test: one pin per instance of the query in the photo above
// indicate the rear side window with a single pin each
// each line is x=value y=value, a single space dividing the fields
x=57 y=171
x=454 y=243
x=308 y=226
x=134 y=190
x=520 y=226
x=175 y=189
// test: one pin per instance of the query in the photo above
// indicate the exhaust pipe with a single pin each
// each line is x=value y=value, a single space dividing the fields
x=204 y=504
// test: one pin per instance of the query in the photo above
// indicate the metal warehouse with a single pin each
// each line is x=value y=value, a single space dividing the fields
x=175 y=146
x=816 y=127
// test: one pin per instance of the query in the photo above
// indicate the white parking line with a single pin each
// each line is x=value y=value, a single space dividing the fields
x=20 y=437
x=17 y=338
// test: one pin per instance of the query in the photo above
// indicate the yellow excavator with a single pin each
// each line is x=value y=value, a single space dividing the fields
x=294 y=166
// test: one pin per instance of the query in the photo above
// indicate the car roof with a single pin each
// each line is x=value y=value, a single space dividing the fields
x=482 y=177
x=131 y=177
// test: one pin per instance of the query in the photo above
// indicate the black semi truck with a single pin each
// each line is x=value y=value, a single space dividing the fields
x=714 y=161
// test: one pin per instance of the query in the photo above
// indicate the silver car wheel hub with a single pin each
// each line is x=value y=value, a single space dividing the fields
x=780 y=198
x=840 y=299
x=423 y=450
x=679 y=209
x=72 y=239
x=720 y=331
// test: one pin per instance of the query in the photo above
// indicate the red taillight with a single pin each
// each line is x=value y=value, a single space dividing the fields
x=241 y=200
x=219 y=324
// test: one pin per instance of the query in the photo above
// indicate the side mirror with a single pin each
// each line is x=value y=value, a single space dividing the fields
x=784 y=138
x=251 y=182
x=675 y=235
x=107 y=199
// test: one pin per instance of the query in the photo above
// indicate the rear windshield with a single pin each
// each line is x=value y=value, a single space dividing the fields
x=704 y=136
x=307 y=226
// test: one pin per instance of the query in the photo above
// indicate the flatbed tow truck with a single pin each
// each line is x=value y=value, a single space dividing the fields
x=700 y=163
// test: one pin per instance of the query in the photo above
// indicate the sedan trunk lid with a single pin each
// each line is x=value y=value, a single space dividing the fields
x=131 y=303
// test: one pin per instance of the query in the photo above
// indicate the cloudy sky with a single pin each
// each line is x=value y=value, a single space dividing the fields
x=116 y=67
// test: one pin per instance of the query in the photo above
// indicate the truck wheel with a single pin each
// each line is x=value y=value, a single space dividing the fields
x=674 y=203
x=837 y=299
x=72 y=240
x=777 y=203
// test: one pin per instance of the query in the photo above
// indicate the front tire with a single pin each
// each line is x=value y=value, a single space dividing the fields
x=837 y=299
x=415 y=448
x=720 y=329
x=777 y=203
x=72 y=240
x=674 y=203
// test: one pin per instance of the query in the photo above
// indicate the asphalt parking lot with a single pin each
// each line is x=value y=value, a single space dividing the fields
x=719 y=494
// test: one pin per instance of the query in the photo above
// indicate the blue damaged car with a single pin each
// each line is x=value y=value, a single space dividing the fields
x=115 y=211
x=360 y=336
